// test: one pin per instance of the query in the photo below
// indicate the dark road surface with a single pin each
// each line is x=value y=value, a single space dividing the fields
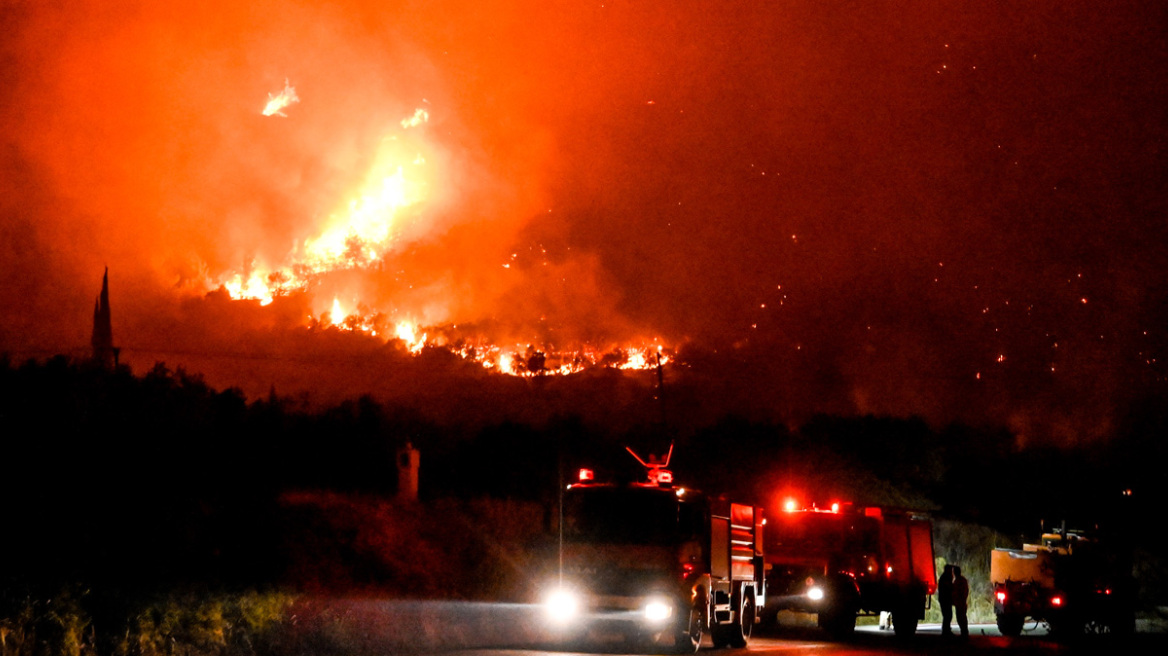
x=984 y=639
x=370 y=627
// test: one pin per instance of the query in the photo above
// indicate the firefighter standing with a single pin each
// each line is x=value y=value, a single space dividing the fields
x=945 y=599
x=961 y=600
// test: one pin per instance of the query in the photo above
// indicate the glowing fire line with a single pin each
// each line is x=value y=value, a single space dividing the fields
x=519 y=360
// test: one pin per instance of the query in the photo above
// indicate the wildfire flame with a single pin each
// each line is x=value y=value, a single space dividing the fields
x=278 y=102
x=408 y=334
x=420 y=116
x=363 y=234
x=366 y=228
x=337 y=315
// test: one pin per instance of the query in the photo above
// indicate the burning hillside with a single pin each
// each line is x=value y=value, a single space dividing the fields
x=953 y=213
x=355 y=249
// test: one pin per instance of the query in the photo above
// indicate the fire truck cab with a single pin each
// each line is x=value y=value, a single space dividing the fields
x=656 y=563
x=845 y=561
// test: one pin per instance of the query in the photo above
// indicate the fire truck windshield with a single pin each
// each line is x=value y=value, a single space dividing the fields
x=822 y=532
x=629 y=516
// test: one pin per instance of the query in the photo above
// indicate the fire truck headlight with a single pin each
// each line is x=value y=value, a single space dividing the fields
x=561 y=606
x=815 y=593
x=657 y=610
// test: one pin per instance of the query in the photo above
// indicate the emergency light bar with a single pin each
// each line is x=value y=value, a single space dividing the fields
x=656 y=469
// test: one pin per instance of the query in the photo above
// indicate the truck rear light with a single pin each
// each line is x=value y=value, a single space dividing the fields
x=584 y=475
x=835 y=507
x=1056 y=601
x=1001 y=595
x=790 y=506
x=687 y=569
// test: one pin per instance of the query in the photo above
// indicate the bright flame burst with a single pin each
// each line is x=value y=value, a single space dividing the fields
x=362 y=234
x=420 y=116
x=367 y=228
x=278 y=102
x=408 y=334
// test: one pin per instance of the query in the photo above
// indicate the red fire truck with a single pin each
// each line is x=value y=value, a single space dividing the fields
x=657 y=563
x=845 y=560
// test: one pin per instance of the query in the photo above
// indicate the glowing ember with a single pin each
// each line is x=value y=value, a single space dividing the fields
x=278 y=102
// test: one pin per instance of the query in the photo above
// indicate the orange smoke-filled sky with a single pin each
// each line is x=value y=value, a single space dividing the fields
x=146 y=122
x=946 y=209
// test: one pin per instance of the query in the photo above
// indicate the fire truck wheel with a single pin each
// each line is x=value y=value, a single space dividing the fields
x=1010 y=624
x=736 y=634
x=689 y=639
x=904 y=620
x=746 y=618
x=1096 y=627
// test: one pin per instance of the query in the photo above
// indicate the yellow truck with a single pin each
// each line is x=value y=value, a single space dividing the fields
x=1071 y=580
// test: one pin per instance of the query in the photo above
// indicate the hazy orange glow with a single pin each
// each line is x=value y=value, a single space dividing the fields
x=954 y=212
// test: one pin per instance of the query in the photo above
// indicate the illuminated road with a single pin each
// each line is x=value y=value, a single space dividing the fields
x=983 y=639
x=380 y=627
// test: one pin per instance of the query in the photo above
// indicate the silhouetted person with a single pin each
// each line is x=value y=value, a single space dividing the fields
x=945 y=599
x=961 y=600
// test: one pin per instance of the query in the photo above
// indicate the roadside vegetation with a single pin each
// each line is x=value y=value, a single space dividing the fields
x=75 y=622
x=153 y=515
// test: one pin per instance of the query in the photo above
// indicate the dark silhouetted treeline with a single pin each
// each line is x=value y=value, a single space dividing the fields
x=156 y=479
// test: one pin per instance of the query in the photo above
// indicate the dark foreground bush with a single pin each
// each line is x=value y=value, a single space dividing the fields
x=78 y=623
x=345 y=545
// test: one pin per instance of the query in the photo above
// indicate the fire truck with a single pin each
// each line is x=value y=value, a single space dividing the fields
x=1074 y=581
x=844 y=561
x=656 y=563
